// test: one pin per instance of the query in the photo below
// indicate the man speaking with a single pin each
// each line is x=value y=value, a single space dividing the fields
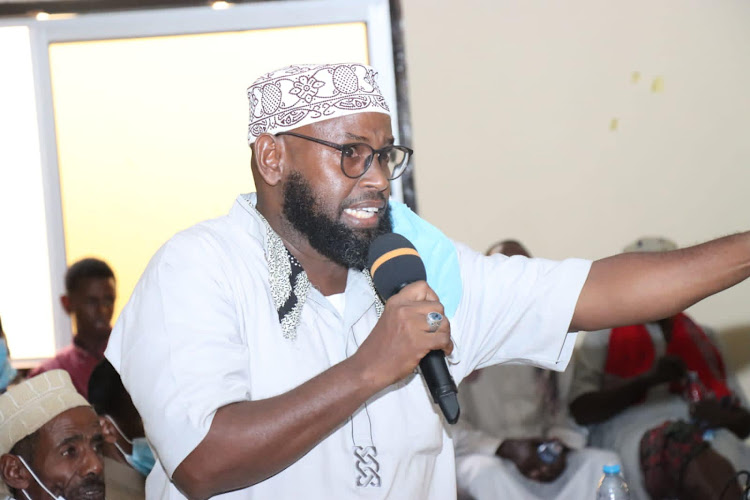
x=260 y=355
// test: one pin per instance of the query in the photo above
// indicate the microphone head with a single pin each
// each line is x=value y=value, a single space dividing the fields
x=394 y=263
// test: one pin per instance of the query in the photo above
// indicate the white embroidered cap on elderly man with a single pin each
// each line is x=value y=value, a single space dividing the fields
x=298 y=95
x=26 y=407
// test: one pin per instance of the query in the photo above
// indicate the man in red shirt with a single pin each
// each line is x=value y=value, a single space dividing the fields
x=89 y=300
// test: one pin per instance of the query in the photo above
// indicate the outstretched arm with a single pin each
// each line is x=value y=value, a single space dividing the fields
x=634 y=288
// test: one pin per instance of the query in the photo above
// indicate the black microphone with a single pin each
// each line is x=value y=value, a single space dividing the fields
x=395 y=263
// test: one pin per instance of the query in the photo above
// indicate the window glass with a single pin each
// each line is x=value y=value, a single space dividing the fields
x=152 y=132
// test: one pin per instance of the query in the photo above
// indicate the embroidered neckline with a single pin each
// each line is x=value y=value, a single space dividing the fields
x=289 y=282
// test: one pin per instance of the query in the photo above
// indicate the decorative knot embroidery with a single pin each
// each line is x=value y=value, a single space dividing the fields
x=367 y=466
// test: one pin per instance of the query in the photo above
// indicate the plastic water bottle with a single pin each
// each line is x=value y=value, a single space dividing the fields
x=548 y=451
x=612 y=486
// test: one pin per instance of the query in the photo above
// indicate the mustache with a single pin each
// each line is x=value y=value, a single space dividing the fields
x=88 y=486
x=377 y=196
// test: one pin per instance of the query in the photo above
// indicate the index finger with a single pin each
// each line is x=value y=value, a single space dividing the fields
x=420 y=291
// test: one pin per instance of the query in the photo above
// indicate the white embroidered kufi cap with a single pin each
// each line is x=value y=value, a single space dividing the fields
x=298 y=95
x=651 y=244
x=26 y=407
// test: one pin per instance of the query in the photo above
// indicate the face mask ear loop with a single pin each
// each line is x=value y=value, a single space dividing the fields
x=118 y=429
x=37 y=480
x=125 y=455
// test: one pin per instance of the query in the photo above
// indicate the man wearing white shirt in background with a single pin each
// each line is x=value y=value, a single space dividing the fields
x=508 y=412
x=252 y=382
x=628 y=389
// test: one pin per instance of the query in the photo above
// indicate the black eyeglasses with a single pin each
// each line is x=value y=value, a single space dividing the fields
x=357 y=157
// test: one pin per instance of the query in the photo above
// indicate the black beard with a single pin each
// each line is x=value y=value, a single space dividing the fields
x=331 y=238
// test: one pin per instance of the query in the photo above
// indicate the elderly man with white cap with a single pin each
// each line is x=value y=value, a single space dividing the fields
x=264 y=363
x=50 y=441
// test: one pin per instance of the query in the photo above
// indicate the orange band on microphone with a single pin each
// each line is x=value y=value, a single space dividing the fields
x=391 y=255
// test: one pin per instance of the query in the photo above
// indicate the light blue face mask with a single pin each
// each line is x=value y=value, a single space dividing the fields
x=142 y=459
x=438 y=254
x=7 y=372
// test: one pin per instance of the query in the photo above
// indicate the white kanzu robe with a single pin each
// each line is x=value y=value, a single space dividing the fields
x=200 y=331
x=510 y=401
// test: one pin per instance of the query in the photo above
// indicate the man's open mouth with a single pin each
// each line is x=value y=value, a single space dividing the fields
x=362 y=213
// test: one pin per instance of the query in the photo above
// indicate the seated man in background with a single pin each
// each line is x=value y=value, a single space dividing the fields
x=127 y=456
x=631 y=383
x=509 y=411
x=50 y=441
x=89 y=299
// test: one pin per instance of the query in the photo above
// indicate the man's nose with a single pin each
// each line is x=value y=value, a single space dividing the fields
x=376 y=176
x=92 y=464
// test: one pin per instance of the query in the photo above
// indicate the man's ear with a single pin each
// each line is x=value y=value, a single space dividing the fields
x=14 y=474
x=108 y=430
x=267 y=152
x=65 y=302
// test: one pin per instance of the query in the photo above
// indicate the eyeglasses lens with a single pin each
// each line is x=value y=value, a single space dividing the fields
x=357 y=158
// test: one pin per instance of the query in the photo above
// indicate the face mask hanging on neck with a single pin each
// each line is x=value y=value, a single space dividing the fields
x=142 y=459
x=38 y=482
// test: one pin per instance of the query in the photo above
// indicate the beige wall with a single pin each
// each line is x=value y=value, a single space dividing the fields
x=513 y=104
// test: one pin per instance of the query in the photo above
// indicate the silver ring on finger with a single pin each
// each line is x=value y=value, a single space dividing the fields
x=433 y=321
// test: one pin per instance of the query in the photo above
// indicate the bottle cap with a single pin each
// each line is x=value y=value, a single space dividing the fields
x=611 y=469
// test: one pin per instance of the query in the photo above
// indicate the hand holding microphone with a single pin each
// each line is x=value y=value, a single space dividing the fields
x=402 y=336
x=412 y=325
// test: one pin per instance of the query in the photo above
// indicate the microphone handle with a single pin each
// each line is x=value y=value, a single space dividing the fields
x=442 y=387
x=437 y=377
